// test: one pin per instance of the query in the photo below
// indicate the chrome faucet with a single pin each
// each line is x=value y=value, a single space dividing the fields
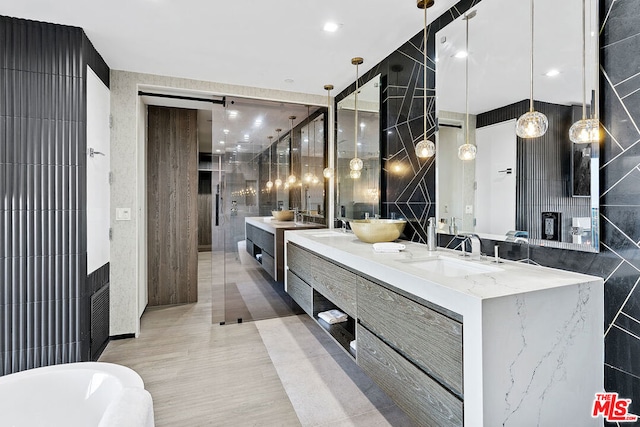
x=344 y=225
x=471 y=236
x=468 y=238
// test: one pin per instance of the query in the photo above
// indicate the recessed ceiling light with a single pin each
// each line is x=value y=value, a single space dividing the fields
x=258 y=122
x=246 y=136
x=222 y=142
x=233 y=114
x=238 y=146
x=552 y=73
x=461 y=54
x=218 y=151
x=331 y=27
x=226 y=131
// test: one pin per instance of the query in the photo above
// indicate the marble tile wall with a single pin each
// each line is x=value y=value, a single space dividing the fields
x=413 y=195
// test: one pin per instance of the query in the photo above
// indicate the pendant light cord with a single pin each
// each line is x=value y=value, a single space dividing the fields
x=355 y=105
x=466 y=47
x=425 y=73
x=278 y=158
x=584 y=63
x=531 y=63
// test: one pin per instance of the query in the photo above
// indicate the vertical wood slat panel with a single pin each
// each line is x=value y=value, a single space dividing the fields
x=172 y=165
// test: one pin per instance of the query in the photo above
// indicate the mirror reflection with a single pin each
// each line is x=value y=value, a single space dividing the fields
x=311 y=166
x=545 y=188
x=358 y=197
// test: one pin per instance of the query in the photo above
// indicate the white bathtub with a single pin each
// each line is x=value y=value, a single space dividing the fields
x=75 y=394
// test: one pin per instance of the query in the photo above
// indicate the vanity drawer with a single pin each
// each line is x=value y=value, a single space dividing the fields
x=300 y=292
x=422 y=398
x=336 y=283
x=269 y=264
x=425 y=337
x=262 y=239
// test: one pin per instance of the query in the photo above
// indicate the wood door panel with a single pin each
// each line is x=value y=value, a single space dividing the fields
x=172 y=209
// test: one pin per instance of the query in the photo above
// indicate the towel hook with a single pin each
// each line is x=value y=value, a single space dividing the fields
x=93 y=152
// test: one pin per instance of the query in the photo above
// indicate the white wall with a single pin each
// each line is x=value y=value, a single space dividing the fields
x=128 y=260
x=98 y=191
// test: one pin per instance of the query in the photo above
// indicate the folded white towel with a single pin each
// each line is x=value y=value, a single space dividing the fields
x=352 y=344
x=388 y=247
x=333 y=316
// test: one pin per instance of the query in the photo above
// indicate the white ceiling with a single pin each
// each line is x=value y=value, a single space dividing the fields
x=259 y=44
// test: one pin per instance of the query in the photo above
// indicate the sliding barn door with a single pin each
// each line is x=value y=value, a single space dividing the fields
x=172 y=206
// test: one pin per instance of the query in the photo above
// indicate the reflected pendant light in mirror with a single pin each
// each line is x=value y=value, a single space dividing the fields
x=269 y=183
x=532 y=124
x=585 y=130
x=308 y=177
x=425 y=148
x=328 y=171
x=467 y=151
x=355 y=165
x=292 y=177
x=314 y=177
x=278 y=181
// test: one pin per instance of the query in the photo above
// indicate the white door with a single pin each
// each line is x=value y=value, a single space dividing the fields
x=496 y=178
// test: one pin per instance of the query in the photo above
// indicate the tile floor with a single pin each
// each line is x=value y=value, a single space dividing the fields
x=283 y=370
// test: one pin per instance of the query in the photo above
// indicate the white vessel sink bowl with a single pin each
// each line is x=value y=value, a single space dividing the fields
x=451 y=267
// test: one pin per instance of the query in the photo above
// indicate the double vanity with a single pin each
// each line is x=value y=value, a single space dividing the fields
x=453 y=340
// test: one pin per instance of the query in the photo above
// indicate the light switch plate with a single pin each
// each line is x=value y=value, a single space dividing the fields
x=123 y=214
x=468 y=209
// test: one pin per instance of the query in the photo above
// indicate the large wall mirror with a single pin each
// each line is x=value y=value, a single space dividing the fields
x=358 y=197
x=545 y=190
x=311 y=165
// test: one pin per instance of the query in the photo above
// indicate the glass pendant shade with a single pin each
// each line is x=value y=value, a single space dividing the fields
x=308 y=177
x=269 y=185
x=425 y=149
x=315 y=179
x=355 y=164
x=327 y=172
x=467 y=152
x=532 y=125
x=277 y=182
x=585 y=131
x=354 y=174
x=292 y=179
x=286 y=185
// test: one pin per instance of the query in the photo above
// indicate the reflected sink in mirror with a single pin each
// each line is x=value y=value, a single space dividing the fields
x=450 y=267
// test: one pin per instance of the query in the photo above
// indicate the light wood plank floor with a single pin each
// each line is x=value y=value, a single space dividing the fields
x=283 y=371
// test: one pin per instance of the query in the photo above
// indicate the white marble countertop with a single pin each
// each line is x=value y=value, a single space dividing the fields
x=269 y=224
x=403 y=271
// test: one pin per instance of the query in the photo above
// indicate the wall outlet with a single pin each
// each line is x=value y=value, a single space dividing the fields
x=468 y=209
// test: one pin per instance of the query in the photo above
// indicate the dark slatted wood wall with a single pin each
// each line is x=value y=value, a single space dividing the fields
x=172 y=194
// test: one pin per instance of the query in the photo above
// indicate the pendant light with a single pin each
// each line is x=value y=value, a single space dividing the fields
x=467 y=151
x=532 y=124
x=308 y=177
x=278 y=181
x=425 y=148
x=355 y=165
x=292 y=178
x=328 y=171
x=269 y=183
x=584 y=131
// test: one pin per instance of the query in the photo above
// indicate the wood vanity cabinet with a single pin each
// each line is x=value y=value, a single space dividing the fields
x=413 y=352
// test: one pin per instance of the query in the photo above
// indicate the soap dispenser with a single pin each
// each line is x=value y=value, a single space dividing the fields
x=431 y=234
x=453 y=228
